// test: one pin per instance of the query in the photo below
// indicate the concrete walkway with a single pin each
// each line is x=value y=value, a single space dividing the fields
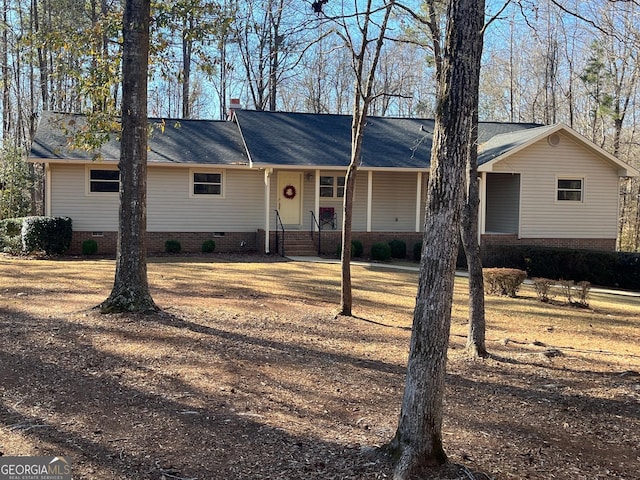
x=459 y=273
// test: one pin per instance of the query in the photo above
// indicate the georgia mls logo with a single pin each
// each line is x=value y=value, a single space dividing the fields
x=35 y=468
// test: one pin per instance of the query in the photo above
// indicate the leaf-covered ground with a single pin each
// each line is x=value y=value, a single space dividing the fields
x=248 y=374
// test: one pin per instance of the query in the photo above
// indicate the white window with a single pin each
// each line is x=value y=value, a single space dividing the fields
x=104 y=181
x=571 y=190
x=332 y=186
x=206 y=183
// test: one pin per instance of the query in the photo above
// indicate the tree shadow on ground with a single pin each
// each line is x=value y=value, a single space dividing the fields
x=117 y=417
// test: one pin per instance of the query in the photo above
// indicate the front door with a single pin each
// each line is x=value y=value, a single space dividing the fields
x=290 y=197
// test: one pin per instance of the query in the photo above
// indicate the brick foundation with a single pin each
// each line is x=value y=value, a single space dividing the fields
x=599 y=244
x=331 y=239
x=191 y=242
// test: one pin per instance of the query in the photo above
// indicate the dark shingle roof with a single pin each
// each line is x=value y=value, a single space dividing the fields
x=502 y=143
x=308 y=140
x=171 y=141
x=302 y=139
x=280 y=139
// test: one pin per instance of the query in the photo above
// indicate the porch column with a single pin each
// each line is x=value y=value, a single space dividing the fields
x=418 y=200
x=267 y=207
x=482 y=217
x=369 y=198
x=47 y=190
x=316 y=204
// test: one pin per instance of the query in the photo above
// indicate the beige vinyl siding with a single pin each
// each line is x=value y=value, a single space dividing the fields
x=503 y=202
x=95 y=212
x=359 y=214
x=172 y=208
x=394 y=202
x=541 y=215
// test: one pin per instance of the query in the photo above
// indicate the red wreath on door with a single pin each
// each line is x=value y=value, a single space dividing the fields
x=289 y=192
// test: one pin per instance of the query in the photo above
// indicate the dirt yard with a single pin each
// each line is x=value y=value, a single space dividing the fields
x=247 y=374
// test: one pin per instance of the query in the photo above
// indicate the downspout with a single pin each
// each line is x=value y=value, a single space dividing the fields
x=267 y=208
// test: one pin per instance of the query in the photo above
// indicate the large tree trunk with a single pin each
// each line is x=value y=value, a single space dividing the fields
x=476 y=337
x=6 y=105
x=417 y=444
x=131 y=290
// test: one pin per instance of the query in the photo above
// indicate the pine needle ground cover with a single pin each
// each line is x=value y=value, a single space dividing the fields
x=248 y=374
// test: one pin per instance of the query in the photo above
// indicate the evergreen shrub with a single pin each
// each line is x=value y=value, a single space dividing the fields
x=208 y=246
x=10 y=235
x=11 y=227
x=172 y=246
x=356 y=248
x=89 y=247
x=398 y=249
x=49 y=234
x=461 y=259
x=417 y=251
x=380 y=251
x=611 y=269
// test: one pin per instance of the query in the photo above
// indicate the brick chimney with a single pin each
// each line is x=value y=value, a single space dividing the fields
x=234 y=104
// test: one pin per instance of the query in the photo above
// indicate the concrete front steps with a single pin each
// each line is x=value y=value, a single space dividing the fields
x=300 y=245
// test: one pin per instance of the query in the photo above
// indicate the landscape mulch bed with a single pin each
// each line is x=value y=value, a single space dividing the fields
x=247 y=373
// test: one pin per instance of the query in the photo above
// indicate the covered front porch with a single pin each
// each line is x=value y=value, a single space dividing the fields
x=312 y=200
x=385 y=203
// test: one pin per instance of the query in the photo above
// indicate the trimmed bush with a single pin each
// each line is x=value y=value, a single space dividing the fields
x=172 y=246
x=417 y=251
x=89 y=247
x=582 y=289
x=461 y=260
x=398 y=249
x=356 y=248
x=208 y=246
x=380 y=251
x=503 y=281
x=49 y=234
x=544 y=288
x=611 y=269
x=567 y=288
x=627 y=271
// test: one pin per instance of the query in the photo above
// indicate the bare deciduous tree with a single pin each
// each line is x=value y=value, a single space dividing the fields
x=364 y=40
